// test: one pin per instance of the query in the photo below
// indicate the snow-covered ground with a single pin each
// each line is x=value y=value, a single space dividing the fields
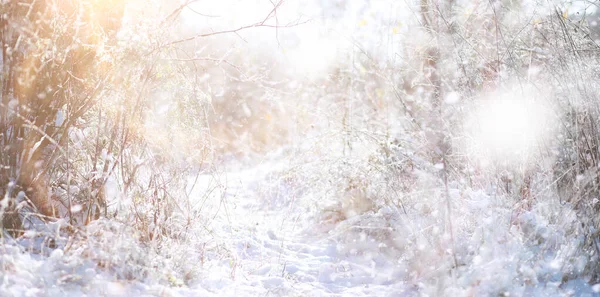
x=263 y=236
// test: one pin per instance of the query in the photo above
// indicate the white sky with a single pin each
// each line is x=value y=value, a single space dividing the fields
x=330 y=28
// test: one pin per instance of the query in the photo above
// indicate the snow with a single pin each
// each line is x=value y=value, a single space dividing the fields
x=264 y=241
x=452 y=98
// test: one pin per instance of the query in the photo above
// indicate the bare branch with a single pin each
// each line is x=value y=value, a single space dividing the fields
x=262 y=23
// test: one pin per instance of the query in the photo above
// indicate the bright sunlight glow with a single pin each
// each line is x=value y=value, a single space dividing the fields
x=509 y=127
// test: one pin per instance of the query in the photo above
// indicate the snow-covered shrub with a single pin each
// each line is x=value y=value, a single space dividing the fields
x=79 y=111
x=453 y=65
x=53 y=72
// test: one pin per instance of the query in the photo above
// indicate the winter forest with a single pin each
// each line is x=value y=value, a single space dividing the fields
x=299 y=148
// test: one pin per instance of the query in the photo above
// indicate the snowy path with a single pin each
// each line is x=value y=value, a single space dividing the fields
x=255 y=239
x=279 y=252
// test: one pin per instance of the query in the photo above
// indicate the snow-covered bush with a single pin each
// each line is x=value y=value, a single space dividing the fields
x=53 y=73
